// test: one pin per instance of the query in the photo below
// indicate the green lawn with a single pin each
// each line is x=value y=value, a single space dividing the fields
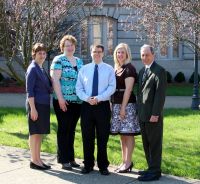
x=182 y=89
x=181 y=145
x=176 y=89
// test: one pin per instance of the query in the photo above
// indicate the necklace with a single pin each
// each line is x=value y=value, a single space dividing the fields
x=72 y=60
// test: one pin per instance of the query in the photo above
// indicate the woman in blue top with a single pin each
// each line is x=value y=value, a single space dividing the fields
x=38 y=89
x=67 y=105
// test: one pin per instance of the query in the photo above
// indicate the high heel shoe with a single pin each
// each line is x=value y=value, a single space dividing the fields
x=118 y=168
x=128 y=169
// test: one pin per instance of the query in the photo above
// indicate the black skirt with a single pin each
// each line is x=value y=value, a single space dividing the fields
x=42 y=124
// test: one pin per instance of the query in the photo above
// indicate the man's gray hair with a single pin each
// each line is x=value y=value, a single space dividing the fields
x=148 y=46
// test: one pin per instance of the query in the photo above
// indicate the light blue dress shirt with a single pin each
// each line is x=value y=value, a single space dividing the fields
x=106 y=84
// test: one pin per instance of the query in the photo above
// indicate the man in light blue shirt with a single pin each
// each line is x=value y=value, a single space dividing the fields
x=96 y=83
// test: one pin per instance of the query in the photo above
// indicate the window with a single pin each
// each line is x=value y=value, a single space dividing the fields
x=96 y=30
x=168 y=49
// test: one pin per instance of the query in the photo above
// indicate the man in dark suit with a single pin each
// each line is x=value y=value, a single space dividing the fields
x=151 y=98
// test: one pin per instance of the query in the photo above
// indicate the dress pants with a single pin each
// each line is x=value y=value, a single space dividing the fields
x=66 y=130
x=95 y=119
x=152 y=135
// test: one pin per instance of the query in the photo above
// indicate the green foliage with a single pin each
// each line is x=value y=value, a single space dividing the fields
x=180 y=77
x=169 y=77
x=1 y=77
x=180 y=141
x=191 y=79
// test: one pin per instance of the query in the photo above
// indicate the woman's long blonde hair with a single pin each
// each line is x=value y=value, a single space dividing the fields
x=128 y=54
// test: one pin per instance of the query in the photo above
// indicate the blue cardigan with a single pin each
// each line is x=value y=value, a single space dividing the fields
x=38 y=84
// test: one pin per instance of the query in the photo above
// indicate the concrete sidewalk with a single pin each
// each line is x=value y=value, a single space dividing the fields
x=18 y=100
x=14 y=169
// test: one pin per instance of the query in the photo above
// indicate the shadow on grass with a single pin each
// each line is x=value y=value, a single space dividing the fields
x=180 y=161
x=19 y=135
x=11 y=111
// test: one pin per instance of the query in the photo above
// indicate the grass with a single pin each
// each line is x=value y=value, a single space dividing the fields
x=182 y=89
x=181 y=144
x=176 y=89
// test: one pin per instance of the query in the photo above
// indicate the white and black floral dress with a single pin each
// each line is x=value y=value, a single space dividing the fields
x=130 y=124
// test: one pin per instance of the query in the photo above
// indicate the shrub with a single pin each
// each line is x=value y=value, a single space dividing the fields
x=1 y=77
x=180 y=77
x=191 y=80
x=169 y=77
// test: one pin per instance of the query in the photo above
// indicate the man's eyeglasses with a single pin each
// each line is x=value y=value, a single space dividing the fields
x=97 y=52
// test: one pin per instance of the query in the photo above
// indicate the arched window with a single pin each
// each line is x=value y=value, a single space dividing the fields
x=96 y=30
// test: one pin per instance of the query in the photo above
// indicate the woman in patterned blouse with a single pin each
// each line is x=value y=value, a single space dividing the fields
x=67 y=105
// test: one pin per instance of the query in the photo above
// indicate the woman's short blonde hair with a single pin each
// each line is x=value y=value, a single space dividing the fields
x=70 y=38
x=128 y=54
x=36 y=48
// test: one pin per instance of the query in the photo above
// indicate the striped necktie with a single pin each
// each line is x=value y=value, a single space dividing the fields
x=145 y=74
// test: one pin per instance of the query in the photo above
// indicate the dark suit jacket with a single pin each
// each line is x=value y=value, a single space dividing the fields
x=151 y=93
x=38 y=84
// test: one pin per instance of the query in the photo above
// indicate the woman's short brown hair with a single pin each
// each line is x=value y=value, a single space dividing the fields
x=38 y=47
x=70 y=38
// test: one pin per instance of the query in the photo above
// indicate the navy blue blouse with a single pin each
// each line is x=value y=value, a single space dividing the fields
x=38 y=84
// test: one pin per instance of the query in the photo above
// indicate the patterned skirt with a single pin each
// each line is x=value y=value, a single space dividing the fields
x=129 y=125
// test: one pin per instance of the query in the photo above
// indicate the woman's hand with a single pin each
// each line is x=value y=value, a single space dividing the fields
x=110 y=106
x=63 y=104
x=55 y=76
x=122 y=113
x=34 y=114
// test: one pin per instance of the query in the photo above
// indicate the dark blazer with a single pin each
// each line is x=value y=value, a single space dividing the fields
x=151 y=92
x=38 y=84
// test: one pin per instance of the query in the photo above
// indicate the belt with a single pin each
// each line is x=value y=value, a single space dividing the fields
x=120 y=90
x=101 y=102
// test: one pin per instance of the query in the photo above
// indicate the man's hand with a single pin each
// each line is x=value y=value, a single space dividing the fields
x=93 y=101
x=154 y=119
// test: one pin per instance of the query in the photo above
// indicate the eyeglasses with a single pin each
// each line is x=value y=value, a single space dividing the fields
x=67 y=46
x=97 y=52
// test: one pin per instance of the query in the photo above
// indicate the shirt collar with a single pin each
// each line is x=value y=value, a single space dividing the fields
x=149 y=66
x=99 y=64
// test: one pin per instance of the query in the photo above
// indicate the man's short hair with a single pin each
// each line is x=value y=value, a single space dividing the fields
x=97 y=46
x=148 y=46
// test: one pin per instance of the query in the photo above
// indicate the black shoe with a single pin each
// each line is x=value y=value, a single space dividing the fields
x=86 y=170
x=47 y=166
x=67 y=166
x=74 y=164
x=104 y=171
x=149 y=177
x=142 y=172
x=35 y=166
x=128 y=169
